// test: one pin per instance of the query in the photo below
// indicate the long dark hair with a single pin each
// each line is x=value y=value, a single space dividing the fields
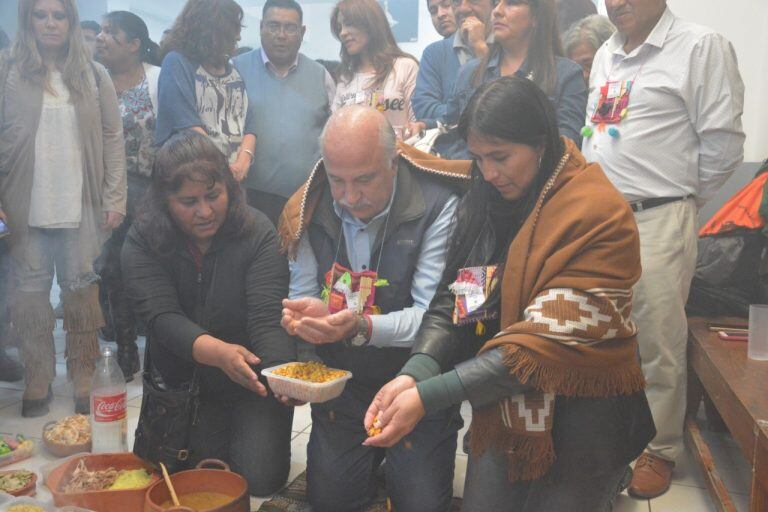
x=368 y=16
x=205 y=31
x=135 y=28
x=543 y=47
x=189 y=155
x=509 y=109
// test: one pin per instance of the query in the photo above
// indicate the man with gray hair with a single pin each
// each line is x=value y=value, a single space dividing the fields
x=368 y=232
x=584 y=38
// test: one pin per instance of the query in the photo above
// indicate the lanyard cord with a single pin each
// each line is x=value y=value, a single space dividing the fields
x=381 y=248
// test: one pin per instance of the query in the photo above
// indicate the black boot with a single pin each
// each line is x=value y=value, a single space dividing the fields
x=125 y=333
x=128 y=359
x=107 y=333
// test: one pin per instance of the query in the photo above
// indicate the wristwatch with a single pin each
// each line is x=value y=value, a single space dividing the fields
x=361 y=337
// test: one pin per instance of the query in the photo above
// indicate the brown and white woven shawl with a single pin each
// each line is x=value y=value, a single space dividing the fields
x=566 y=305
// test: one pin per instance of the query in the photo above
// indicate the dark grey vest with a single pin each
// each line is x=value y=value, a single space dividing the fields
x=418 y=201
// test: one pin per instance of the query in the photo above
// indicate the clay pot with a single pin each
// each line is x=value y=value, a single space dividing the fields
x=202 y=479
x=28 y=490
x=99 y=501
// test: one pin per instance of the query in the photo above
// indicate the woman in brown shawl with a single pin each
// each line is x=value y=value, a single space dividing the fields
x=62 y=190
x=531 y=322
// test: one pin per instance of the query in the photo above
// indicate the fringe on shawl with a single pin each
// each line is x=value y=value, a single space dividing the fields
x=572 y=381
x=528 y=457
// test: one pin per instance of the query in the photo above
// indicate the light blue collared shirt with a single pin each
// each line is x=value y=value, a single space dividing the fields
x=397 y=328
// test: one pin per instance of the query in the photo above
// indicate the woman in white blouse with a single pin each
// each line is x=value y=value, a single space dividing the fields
x=373 y=70
x=62 y=190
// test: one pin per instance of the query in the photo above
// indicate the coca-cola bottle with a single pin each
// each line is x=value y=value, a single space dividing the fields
x=108 y=406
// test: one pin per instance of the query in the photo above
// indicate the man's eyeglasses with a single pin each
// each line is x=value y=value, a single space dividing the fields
x=274 y=28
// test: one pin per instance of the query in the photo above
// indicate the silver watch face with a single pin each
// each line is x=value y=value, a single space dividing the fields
x=358 y=340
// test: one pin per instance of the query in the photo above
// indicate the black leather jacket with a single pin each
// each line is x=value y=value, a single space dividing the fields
x=484 y=377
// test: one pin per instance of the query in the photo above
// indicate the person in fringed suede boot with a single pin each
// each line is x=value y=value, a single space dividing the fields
x=62 y=190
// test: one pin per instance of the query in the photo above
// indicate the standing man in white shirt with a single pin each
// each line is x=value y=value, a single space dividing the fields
x=664 y=121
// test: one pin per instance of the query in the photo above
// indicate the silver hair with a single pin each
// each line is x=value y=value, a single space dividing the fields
x=593 y=30
x=387 y=137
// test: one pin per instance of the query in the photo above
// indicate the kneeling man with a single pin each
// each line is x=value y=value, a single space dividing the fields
x=368 y=233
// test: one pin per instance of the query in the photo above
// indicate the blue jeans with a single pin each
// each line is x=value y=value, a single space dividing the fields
x=595 y=439
x=341 y=471
x=49 y=252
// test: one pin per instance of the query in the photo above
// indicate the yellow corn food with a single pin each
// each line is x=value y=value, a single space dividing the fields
x=312 y=371
x=375 y=428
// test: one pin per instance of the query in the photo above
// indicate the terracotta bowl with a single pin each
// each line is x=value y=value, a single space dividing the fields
x=28 y=490
x=100 y=501
x=202 y=479
x=63 y=450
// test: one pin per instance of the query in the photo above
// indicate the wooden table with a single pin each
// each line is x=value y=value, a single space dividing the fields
x=738 y=388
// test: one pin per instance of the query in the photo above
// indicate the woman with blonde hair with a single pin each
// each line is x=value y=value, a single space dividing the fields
x=374 y=71
x=62 y=190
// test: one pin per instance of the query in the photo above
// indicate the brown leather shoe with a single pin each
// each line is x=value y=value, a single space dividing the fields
x=652 y=476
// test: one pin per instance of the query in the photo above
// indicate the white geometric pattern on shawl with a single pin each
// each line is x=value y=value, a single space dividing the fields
x=515 y=409
x=604 y=313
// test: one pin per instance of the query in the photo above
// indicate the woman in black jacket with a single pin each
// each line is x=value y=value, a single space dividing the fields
x=206 y=275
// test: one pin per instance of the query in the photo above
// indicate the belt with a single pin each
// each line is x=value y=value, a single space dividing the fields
x=647 y=204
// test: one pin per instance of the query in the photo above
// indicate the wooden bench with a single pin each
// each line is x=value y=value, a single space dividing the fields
x=738 y=389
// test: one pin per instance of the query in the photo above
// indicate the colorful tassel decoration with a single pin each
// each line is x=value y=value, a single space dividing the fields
x=587 y=132
x=613 y=132
x=479 y=328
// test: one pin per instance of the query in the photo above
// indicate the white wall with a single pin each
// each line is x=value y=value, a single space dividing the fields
x=745 y=24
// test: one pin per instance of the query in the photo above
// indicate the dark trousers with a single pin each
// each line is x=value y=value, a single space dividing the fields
x=341 y=471
x=5 y=292
x=118 y=310
x=270 y=205
x=252 y=434
x=595 y=439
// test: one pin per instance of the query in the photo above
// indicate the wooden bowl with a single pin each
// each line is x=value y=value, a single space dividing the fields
x=63 y=450
x=220 y=480
x=28 y=490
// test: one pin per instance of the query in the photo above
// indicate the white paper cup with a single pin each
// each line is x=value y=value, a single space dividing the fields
x=757 y=348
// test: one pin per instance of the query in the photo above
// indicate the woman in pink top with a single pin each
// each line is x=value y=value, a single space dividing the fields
x=373 y=70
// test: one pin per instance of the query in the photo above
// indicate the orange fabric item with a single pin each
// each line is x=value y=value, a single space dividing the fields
x=740 y=211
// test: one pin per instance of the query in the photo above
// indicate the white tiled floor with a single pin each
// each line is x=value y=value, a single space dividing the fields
x=688 y=493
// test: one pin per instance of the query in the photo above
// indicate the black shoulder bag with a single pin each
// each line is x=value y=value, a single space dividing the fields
x=167 y=417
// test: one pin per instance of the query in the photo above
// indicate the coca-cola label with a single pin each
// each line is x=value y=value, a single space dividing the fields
x=109 y=408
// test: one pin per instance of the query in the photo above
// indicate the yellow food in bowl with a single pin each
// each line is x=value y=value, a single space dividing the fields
x=25 y=508
x=131 y=479
x=201 y=501
x=312 y=371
